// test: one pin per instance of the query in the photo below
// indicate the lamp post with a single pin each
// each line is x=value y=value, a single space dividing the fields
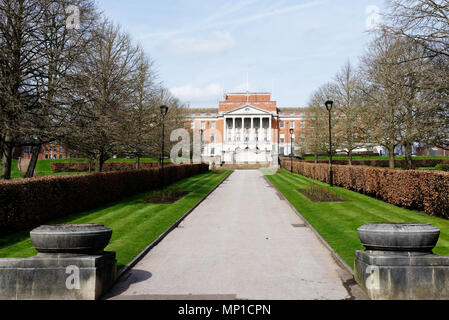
x=201 y=144
x=164 y=110
x=291 y=150
x=329 y=105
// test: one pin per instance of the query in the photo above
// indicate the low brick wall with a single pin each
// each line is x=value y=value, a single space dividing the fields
x=414 y=189
x=27 y=203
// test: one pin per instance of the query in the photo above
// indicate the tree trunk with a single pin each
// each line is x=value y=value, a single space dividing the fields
x=391 y=157
x=137 y=163
x=33 y=161
x=7 y=158
x=99 y=161
x=1 y=146
x=350 y=158
x=316 y=158
x=6 y=162
x=408 y=156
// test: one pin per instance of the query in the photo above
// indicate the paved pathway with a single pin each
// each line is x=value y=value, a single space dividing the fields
x=240 y=243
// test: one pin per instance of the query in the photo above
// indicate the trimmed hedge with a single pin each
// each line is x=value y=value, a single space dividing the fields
x=414 y=189
x=384 y=163
x=442 y=167
x=27 y=203
x=107 y=166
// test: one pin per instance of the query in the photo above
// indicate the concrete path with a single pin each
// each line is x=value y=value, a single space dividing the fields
x=242 y=242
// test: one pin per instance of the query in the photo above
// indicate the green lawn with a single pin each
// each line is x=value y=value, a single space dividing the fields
x=134 y=225
x=337 y=222
x=43 y=167
x=15 y=172
x=134 y=160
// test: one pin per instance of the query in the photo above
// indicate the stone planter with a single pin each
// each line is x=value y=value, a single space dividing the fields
x=75 y=239
x=409 y=237
x=399 y=264
x=71 y=265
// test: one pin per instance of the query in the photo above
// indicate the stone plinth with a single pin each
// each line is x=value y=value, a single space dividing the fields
x=395 y=276
x=399 y=265
x=71 y=265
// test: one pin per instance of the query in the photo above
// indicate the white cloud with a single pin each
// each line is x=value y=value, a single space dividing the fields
x=272 y=12
x=188 y=93
x=221 y=18
x=213 y=43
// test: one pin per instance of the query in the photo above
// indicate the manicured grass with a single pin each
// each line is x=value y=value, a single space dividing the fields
x=134 y=225
x=43 y=167
x=134 y=160
x=15 y=172
x=337 y=222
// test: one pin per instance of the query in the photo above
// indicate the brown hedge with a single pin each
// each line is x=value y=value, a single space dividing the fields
x=384 y=163
x=107 y=167
x=26 y=203
x=414 y=189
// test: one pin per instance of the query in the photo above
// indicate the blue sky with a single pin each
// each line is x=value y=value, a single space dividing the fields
x=203 y=48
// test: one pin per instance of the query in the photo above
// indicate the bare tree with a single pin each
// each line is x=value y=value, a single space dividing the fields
x=61 y=47
x=38 y=50
x=317 y=136
x=19 y=63
x=104 y=84
x=382 y=93
x=423 y=21
x=137 y=130
x=175 y=119
x=351 y=124
x=402 y=112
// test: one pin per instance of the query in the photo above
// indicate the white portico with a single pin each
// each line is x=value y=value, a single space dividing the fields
x=248 y=128
x=248 y=136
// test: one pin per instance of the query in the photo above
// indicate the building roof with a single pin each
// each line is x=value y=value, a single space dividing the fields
x=203 y=110
x=296 y=109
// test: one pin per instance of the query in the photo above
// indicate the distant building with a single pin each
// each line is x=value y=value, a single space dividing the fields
x=248 y=127
x=424 y=150
x=50 y=151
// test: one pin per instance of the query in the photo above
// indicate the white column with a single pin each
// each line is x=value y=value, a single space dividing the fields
x=270 y=131
x=225 y=131
x=233 y=128
x=251 y=130
x=242 y=132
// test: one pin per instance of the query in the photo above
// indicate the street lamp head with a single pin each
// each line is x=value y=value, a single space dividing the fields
x=329 y=105
x=201 y=131
x=291 y=131
x=164 y=110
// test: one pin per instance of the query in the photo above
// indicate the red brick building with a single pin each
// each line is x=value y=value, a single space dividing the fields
x=249 y=127
x=50 y=151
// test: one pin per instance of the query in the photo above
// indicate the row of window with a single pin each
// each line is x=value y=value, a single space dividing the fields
x=302 y=124
x=61 y=156
x=54 y=148
x=237 y=138
x=246 y=139
x=203 y=124
x=291 y=124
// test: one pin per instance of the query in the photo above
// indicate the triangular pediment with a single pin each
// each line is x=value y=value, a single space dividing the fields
x=247 y=110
